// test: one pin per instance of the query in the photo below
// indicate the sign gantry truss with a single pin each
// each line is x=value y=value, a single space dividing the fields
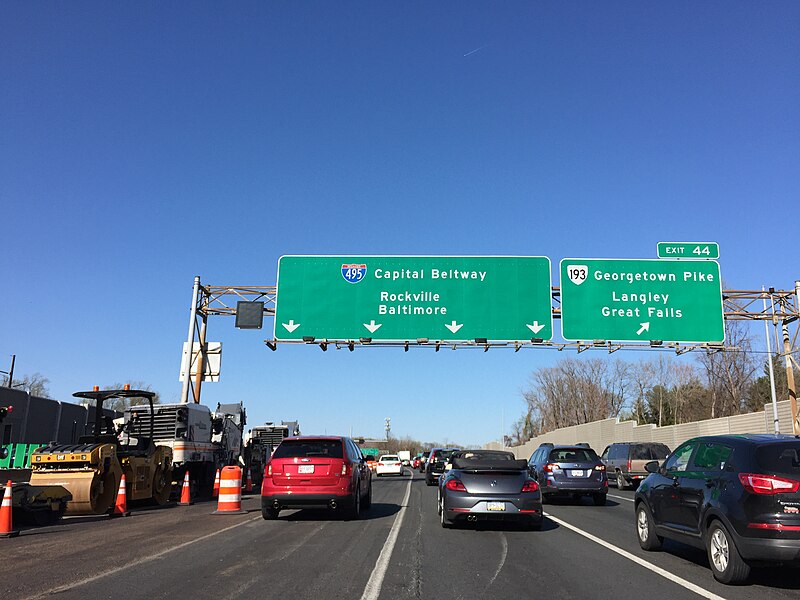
x=739 y=305
x=780 y=307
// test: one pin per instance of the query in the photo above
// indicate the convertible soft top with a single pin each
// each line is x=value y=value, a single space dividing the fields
x=488 y=464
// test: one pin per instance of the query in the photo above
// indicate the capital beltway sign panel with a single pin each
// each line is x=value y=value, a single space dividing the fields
x=405 y=298
x=640 y=299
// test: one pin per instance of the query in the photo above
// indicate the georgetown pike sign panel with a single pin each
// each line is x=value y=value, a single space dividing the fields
x=635 y=300
x=406 y=298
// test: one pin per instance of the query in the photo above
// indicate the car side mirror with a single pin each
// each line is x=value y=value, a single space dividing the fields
x=652 y=466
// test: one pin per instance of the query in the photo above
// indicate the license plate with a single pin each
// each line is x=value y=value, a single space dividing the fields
x=577 y=472
x=495 y=506
x=305 y=469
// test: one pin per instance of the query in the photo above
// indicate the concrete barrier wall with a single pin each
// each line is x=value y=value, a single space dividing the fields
x=600 y=434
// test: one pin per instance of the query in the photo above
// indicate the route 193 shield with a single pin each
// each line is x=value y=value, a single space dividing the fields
x=577 y=273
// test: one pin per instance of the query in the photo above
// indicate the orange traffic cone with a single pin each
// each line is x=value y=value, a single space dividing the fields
x=121 y=506
x=186 y=497
x=6 y=528
x=249 y=485
x=215 y=493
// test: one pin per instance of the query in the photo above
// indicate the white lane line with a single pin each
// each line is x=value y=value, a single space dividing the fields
x=136 y=563
x=373 y=588
x=640 y=561
x=502 y=560
x=620 y=497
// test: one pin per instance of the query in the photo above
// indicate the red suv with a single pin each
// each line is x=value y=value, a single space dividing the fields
x=322 y=472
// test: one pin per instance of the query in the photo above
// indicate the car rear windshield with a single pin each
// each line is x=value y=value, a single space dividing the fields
x=781 y=458
x=573 y=455
x=388 y=458
x=488 y=455
x=309 y=448
x=649 y=452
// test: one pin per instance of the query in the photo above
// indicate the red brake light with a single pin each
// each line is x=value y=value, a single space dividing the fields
x=269 y=469
x=344 y=468
x=550 y=467
x=767 y=484
x=600 y=468
x=629 y=465
x=530 y=486
x=455 y=485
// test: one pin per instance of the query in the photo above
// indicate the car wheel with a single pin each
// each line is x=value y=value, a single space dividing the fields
x=727 y=564
x=646 y=529
x=429 y=481
x=534 y=524
x=269 y=514
x=354 y=511
x=368 y=498
x=446 y=523
x=621 y=483
x=599 y=499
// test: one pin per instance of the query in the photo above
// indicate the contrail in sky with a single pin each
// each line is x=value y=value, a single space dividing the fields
x=476 y=50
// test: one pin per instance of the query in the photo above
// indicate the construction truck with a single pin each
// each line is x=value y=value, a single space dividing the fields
x=31 y=504
x=91 y=470
x=202 y=441
x=259 y=444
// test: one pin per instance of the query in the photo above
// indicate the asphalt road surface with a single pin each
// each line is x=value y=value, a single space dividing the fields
x=396 y=551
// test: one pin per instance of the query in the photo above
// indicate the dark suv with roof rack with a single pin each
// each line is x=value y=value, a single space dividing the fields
x=736 y=496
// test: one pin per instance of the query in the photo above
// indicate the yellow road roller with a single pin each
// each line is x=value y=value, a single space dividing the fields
x=91 y=469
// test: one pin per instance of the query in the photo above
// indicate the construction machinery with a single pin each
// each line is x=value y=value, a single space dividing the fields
x=202 y=441
x=260 y=443
x=91 y=469
x=35 y=504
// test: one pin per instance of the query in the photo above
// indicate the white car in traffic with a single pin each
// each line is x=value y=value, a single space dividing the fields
x=389 y=464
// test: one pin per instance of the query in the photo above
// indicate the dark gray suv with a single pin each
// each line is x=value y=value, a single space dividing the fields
x=572 y=471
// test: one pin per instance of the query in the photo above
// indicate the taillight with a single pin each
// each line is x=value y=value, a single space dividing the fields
x=398 y=464
x=344 y=468
x=600 y=468
x=455 y=485
x=269 y=469
x=530 y=486
x=768 y=484
x=629 y=465
x=550 y=467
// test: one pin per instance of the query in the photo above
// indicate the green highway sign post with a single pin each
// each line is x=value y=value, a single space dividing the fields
x=408 y=298
x=638 y=300
x=695 y=250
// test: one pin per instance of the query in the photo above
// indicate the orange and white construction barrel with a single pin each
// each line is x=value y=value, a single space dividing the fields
x=230 y=492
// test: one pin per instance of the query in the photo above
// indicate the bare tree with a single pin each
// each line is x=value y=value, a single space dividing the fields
x=730 y=374
x=35 y=385
x=120 y=404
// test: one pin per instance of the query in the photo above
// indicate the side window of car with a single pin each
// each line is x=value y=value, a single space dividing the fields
x=604 y=457
x=679 y=461
x=711 y=457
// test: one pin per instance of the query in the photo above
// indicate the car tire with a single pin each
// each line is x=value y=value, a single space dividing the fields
x=534 y=524
x=621 y=483
x=269 y=514
x=428 y=481
x=353 y=512
x=646 y=529
x=727 y=565
x=367 y=503
x=599 y=499
x=446 y=523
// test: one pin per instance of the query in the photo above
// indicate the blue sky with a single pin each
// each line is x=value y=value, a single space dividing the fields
x=148 y=143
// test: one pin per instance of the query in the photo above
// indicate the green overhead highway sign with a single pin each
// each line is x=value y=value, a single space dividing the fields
x=407 y=298
x=696 y=250
x=634 y=300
